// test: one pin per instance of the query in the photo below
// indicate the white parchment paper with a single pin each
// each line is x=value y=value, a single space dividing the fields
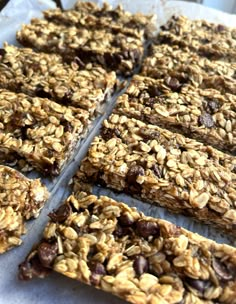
x=56 y=288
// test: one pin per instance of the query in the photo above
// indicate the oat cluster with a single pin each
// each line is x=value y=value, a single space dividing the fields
x=20 y=200
x=115 y=248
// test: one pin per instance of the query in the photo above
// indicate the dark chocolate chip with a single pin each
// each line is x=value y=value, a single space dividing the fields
x=220 y=28
x=32 y=268
x=147 y=228
x=97 y=268
x=148 y=134
x=47 y=253
x=66 y=100
x=126 y=220
x=173 y=84
x=206 y=120
x=133 y=173
x=149 y=102
x=2 y=52
x=61 y=214
x=204 y=40
x=221 y=270
x=154 y=91
x=157 y=171
x=39 y=91
x=140 y=265
x=109 y=133
x=121 y=231
x=199 y=285
x=211 y=106
x=67 y=125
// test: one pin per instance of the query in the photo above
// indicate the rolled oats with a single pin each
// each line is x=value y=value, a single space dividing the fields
x=45 y=75
x=37 y=132
x=20 y=199
x=169 y=173
x=214 y=41
x=206 y=272
x=118 y=52
x=204 y=114
x=189 y=67
x=115 y=20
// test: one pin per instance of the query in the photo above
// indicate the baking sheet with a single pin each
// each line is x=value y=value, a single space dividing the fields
x=56 y=288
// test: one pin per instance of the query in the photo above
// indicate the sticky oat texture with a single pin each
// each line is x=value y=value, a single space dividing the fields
x=189 y=67
x=164 y=168
x=117 y=52
x=45 y=75
x=214 y=41
x=140 y=259
x=204 y=114
x=20 y=199
x=115 y=20
x=37 y=132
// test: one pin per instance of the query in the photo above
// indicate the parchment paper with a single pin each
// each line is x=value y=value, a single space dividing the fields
x=56 y=288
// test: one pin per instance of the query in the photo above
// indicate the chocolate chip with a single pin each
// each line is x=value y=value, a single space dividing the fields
x=97 y=267
x=32 y=268
x=61 y=214
x=121 y=231
x=41 y=93
x=47 y=253
x=220 y=28
x=67 y=125
x=154 y=91
x=140 y=265
x=157 y=171
x=97 y=270
x=221 y=270
x=2 y=52
x=199 y=285
x=133 y=173
x=109 y=133
x=211 y=106
x=206 y=120
x=149 y=102
x=148 y=134
x=147 y=228
x=66 y=100
x=126 y=220
x=173 y=84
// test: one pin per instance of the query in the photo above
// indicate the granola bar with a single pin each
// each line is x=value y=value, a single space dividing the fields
x=205 y=115
x=38 y=132
x=45 y=75
x=114 y=52
x=189 y=67
x=213 y=41
x=115 y=20
x=164 y=168
x=21 y=199
x=115 y=248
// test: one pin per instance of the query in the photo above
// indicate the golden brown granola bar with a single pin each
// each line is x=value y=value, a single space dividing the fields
x=114 y=52
x=38 y=132
x=107 y=244
x=189 y=67
x=214 y=41
x=20 y=199
x=204 y=114
x=163 y=168
x=45 y=75
x=115 y=20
